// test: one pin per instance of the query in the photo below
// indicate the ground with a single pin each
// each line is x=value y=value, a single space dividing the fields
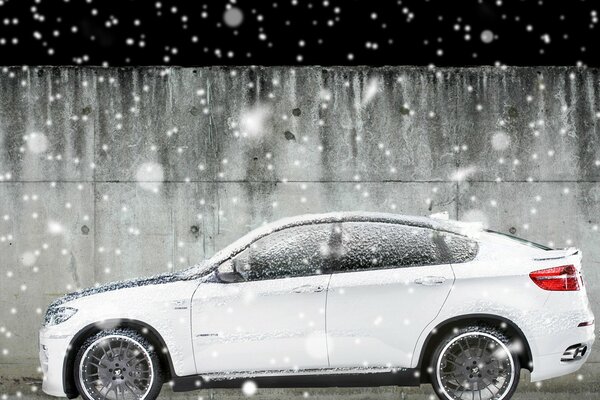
x=583 y=385
x=425 y=393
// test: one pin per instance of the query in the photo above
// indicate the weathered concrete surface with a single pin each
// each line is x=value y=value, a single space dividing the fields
x=115 y=173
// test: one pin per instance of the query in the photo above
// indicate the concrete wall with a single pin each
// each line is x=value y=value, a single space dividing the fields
x=108 y=174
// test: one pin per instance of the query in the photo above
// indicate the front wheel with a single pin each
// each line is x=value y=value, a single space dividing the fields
x=475 y=363
x=117 y=364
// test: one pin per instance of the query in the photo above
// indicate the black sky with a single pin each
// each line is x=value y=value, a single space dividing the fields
x=298 y=32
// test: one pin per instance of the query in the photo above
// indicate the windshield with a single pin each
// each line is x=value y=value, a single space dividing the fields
x=237 y=246
x=520 y=240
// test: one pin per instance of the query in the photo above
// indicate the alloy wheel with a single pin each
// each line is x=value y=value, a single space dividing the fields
x=116 y=367
x=475 y=366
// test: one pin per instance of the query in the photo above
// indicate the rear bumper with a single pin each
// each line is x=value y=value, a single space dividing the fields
x=52 y=356
x=551 y=348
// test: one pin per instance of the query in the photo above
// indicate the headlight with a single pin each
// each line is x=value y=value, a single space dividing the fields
x=58 y=315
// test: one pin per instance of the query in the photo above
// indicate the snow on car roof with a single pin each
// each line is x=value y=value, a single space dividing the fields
x=365 y=216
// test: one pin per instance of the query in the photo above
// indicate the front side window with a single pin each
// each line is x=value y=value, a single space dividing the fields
x=374 y=245
x=298 y=251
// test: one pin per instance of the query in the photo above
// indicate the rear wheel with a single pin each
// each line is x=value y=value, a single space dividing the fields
x=117 y=364
x=475 y=363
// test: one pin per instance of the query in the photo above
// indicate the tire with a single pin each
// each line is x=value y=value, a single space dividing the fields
x=475 y=363
x=117 y=364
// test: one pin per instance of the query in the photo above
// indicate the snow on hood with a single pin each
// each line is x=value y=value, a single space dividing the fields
x=191 y=273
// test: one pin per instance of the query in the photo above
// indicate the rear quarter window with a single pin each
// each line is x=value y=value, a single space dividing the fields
x=461 y=249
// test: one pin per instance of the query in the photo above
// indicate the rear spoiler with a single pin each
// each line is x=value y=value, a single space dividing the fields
x=558 y=254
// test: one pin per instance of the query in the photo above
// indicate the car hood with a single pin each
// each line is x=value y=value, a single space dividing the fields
x=191 y=273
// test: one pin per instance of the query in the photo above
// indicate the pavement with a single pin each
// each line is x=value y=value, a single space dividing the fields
x=584 y=385
x=387 y=393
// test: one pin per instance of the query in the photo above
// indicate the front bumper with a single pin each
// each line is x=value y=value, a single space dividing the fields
x=551 y=349
x=52 y=350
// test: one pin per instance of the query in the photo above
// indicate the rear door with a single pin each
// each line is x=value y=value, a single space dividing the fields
x=390 y=281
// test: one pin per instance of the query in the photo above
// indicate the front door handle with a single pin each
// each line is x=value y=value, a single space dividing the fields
x=308 y=289
x=430 y=280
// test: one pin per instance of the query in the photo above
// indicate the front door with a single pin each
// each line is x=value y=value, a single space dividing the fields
x=274 y=318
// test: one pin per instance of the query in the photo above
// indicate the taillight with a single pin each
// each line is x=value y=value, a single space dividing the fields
x=564 y=278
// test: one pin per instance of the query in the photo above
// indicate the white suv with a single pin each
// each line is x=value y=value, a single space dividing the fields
x=341 y=299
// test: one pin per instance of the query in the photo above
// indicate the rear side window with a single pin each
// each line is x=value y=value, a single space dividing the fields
x=373 y=245
x=299 y=251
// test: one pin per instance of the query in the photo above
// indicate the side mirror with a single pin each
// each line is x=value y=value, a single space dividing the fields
x=227 y=273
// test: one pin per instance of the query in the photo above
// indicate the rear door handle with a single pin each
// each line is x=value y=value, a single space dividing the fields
x=430 y=280
x=308 y=289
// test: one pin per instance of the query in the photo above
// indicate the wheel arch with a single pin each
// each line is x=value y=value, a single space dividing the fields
x=504 y=324
x=143 y=328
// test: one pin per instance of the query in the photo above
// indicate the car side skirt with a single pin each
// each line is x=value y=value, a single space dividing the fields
x=306 y=379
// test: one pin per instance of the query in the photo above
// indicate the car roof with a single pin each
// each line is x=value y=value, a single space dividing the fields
x=451 y=226
x=366 y=216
